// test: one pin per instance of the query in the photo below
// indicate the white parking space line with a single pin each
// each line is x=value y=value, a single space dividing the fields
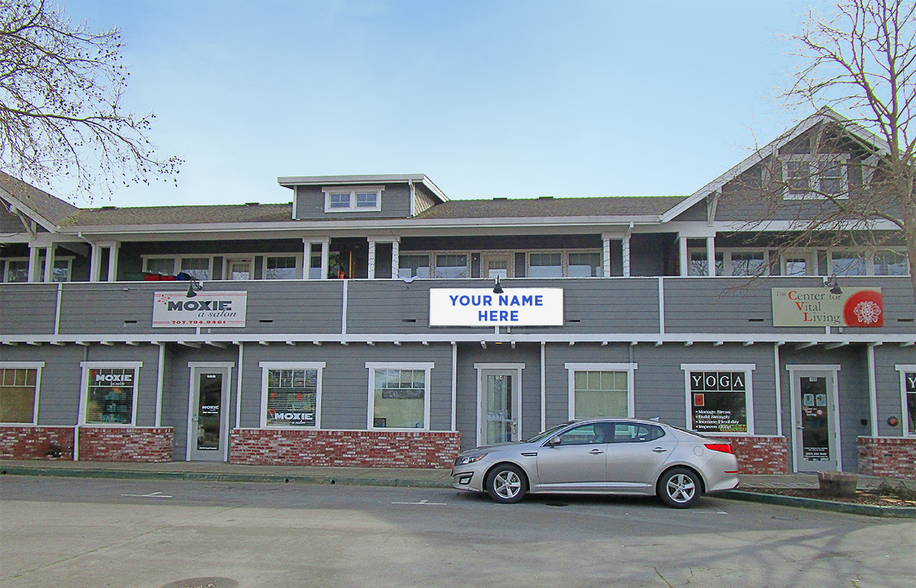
x=150 y=495
x=423 y=503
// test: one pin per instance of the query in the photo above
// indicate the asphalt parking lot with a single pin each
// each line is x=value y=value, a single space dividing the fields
x=95 y=532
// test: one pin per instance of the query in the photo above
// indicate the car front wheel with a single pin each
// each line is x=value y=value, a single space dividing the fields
x=679 y=488
x=506 y=483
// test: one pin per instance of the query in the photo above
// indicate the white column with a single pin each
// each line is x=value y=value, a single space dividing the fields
x=711 y=255
x=606 y=255
x=34 y=264
x=95 y=263
x=113 y=261
x=682 y=246
x=49 y=264
x=325 y=258
x=396 y=260
x=306 y=258
x=371 y=258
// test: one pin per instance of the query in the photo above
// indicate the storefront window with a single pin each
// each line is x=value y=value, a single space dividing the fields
x=585 y=265
x=19 y=392
x=748 y=263
x=110 y=394
x=196 y=267
x=280 y=268
x=17 y=270
x=291 y=396
x=890 y=263
x=847 y=263
x=399 y=396
x=413 y=266
x=545 y=265
x=600 y=394
x=720 y=397
x=451 y=266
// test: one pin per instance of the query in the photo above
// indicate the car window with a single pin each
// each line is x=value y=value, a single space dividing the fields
x=586 y=434
x=636 y=433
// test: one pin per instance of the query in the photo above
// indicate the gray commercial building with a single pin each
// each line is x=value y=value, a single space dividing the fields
x=374 y=322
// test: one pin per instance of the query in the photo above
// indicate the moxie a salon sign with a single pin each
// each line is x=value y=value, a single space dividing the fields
x=479 y=307
x=206 y=309
x=818 y=307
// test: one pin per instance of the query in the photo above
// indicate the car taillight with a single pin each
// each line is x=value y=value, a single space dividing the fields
x=723 y=447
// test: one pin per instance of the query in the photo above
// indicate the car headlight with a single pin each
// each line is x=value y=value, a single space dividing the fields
x=466 y=459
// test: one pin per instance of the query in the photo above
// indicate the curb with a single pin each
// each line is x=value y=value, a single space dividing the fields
x=872 y=510
x=215 y=477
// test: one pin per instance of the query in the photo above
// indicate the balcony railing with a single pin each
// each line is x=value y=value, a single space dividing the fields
x=638 y=310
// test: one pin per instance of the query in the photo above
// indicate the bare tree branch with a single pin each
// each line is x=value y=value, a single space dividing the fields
x=61 y=113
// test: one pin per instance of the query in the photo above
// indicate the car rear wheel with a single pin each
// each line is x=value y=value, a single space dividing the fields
x=506 y=483
x=679 y=488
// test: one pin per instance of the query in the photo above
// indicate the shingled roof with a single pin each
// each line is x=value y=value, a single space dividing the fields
x=547 y=207
x=50 y=208
x=181 y=215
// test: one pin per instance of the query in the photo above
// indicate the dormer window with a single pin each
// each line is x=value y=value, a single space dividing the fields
x=815 y=177
x=355 y=199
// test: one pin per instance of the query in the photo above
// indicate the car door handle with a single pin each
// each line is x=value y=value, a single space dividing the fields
x=659 y=450
x=596 y=452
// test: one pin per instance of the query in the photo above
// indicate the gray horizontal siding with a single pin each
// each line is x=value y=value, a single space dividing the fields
x=306 y=308
x=27 y=308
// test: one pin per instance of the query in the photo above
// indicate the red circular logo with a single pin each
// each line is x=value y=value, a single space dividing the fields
x=864 y=309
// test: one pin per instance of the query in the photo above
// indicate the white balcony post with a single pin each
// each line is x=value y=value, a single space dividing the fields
x=113 y=261
x=371 y=258
x=34 y=264
x=682 y=246
x=711 y=256
x=606 y=254
x=395 y=257
x=49 y=264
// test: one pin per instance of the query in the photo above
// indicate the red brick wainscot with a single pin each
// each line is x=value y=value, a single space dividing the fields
x=149 y=444
x=29 y=442
x=891 y=457
x=374 y=449
x=761 y=455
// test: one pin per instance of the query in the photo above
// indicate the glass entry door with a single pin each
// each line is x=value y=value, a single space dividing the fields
x=209 y=422
x=499 y=410
x=816 y=443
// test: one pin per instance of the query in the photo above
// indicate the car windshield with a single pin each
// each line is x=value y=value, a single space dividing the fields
x=547 y=433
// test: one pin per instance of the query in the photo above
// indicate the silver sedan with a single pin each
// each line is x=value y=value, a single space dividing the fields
x=610 y=456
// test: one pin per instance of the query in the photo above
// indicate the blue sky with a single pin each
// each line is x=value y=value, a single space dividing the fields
x=495 y=98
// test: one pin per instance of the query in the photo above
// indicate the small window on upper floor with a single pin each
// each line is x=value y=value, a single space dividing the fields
x=815 y=177
x=362 y=199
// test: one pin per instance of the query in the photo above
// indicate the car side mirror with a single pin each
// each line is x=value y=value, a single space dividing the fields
x=553 y=442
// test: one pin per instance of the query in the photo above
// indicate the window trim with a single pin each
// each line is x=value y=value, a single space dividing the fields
x=26 y=365
x=353 y=203
x=747 y=368
x=84 y=390
x=814 y=181
x=266 y=366
x=373 y=366
x=630 y=368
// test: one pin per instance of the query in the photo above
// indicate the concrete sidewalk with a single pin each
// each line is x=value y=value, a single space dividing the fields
x=753 y=487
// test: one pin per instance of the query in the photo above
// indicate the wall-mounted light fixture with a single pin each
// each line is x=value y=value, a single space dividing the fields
x=833 y=284
x=193 y=288
x=497 y=289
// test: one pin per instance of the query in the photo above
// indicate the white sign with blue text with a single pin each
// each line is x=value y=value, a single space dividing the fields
x=480 y=307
